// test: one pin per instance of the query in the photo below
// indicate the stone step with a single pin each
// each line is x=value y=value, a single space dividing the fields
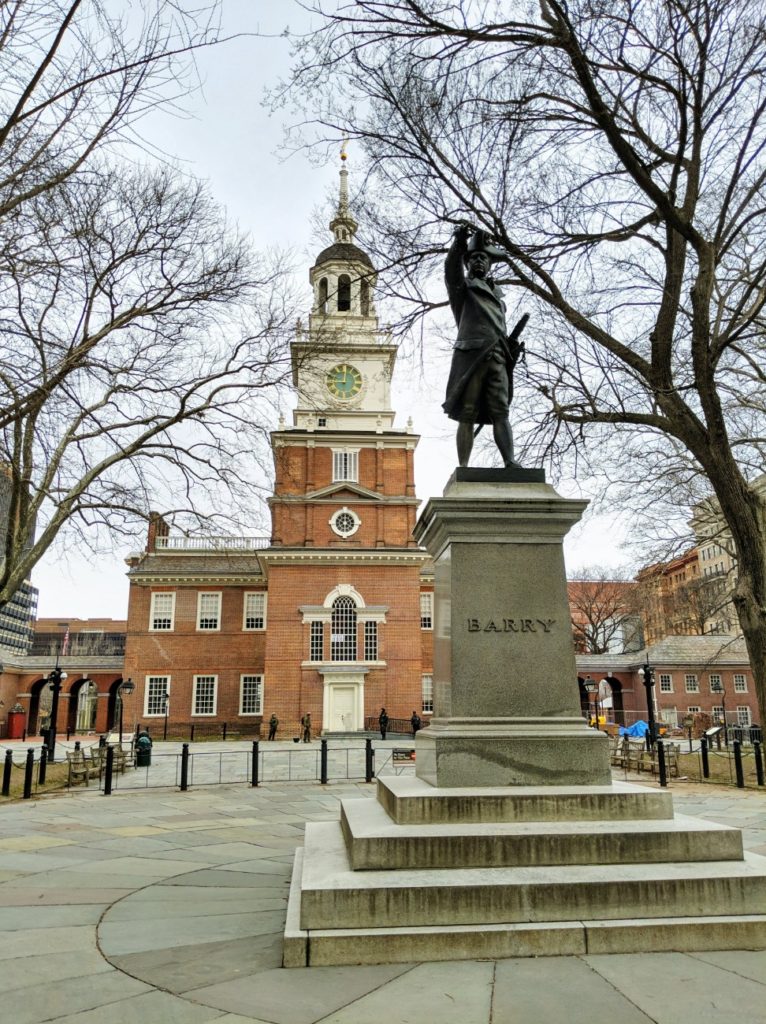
x=374 y=945
x=332 y=893
x=375 y=842
x=410 y=800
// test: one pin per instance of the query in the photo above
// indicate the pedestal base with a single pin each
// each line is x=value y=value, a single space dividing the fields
x=458 y=752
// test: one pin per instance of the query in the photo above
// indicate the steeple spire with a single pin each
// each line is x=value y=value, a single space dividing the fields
x=343 y=225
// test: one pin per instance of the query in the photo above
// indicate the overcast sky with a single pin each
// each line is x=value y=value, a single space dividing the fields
x=231 y=141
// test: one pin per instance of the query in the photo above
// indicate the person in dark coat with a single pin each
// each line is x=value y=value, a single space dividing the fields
x=480 y=385
x=306 y=727
x=415 y=722
x=273 y=723
x=383 y=723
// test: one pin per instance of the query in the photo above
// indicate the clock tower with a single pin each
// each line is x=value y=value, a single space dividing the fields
x=343 y=569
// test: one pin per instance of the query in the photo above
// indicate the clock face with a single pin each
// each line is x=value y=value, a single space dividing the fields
x=344 y=381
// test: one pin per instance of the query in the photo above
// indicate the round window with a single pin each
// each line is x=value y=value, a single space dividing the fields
x=345 y=522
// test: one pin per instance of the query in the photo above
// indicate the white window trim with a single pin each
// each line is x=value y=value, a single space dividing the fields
x=243 y=676
x=162 y=593
x=719 y=681
x=660 y=681
x=354 y=477
x=334 y=519
x=740 y=680
x=254 y=629
x=423 y=677
x=205 y=714
x=744 y=716
x=147 y=712
x=429 y=594
x=209 y=593
x=691 y=683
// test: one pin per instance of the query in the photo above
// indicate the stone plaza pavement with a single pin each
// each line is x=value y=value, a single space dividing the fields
x=157 y=906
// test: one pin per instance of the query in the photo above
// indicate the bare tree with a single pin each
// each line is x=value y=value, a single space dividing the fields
x=604 y=611
x=187 y=328
x=615 y=148
x=140 y=337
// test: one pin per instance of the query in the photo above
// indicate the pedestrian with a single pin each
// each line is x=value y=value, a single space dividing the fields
x=306 y=727
x=383 y=723
x=415 y=722
x=273 y=723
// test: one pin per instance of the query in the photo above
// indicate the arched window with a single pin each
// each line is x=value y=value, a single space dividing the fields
x=323 y=295
x=343 y=644
x=364 y=297
x=344 y=293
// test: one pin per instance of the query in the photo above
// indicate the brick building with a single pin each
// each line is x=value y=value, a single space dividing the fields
x=332 y=613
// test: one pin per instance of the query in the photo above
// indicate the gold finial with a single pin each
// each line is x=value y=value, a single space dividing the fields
x=343 y=153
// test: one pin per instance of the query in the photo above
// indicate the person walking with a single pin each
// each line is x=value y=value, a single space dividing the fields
x=383 y=723
x=415 y=722
x=273 y=723
x=306 y=727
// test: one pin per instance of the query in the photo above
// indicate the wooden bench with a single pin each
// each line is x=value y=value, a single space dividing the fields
x=82 y=768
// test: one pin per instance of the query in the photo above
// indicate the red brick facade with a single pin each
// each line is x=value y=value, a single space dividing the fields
x=341 y=571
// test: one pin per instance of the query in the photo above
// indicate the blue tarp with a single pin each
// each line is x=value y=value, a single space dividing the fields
x=639 y=729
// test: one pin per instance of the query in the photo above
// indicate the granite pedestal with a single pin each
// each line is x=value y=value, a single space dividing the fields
x=512 y=840
x=506 y=702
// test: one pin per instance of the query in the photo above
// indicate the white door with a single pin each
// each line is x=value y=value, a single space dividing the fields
x=342 y=701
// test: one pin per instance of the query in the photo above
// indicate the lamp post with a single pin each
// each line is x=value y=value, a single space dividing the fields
x=717 y=688
x=647 y=678
x=56 y=678
x=124 y=690
x=591 y=686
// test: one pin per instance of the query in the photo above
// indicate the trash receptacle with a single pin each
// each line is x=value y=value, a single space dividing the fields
x=143 y=750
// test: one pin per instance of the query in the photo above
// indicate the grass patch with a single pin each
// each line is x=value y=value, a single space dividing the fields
x=56 y=778
x=721 y=767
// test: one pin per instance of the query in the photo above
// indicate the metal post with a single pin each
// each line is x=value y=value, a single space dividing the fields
x=369 y=755
x=28 y=769
x=7 y=769
x=738 y=764
x=758 y=762
x=661 y=764
x=254 y=766
x=224 y=730
x=191 y=733
x=705 y=761
x=184 y=767
x=55 y=678
x=43 y=765
x=108 y=771
x=647 y=674
x=323 y=762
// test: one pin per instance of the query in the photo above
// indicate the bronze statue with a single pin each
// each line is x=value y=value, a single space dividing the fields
x=480 y=385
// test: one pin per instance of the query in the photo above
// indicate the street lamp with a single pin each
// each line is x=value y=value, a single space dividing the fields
x=56 y=678
x=647 y=678
x=717 y=688
x=124 y=690
x=591 y=686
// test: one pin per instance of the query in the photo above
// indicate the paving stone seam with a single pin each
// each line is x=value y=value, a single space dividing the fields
x=729 y=970
x=620 y=994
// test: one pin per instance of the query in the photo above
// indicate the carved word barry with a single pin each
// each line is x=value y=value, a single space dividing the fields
x=510 y=625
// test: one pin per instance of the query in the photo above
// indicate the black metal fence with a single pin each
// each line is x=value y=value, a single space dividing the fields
x=322 y=762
